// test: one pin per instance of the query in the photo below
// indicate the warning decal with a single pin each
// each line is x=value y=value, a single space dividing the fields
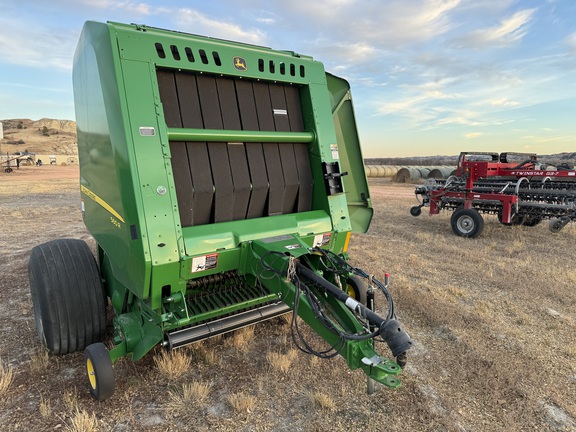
x=206 y=262
x=322 y=239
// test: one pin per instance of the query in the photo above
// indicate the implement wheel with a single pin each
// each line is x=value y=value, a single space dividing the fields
x=556 y=224
x=356 y=288
x=416 y=211
x=467 y=223
x=67 y=295
x=99 y=371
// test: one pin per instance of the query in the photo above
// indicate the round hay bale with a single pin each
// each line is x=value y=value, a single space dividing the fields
x=407 y=174
x=423 y=172
x=441 y=172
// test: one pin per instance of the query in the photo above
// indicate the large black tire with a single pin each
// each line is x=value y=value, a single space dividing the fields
x=67 y=295
x=357 y=289
x=467 y=223
x=99 y=371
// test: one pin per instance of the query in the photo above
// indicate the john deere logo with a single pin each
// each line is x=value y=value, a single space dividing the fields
x=240 y=64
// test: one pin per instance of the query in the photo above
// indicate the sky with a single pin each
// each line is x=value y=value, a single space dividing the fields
x=428 y=77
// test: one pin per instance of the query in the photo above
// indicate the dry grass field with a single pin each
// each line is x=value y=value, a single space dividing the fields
x=494 y=320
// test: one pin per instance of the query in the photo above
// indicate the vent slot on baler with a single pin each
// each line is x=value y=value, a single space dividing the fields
x=228 y=181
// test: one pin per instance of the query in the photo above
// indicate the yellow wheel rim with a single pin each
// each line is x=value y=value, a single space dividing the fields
x=350 y=291
x=91 y=374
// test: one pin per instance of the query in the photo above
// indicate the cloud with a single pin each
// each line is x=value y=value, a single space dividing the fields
x=504 y=103
x=508 y=31
x=134 y=8
x=386 y=25
x=570 y=41
x=197 y=22
x=420 y=101
x=36 y=45
x=473 y=135
x=345 y=55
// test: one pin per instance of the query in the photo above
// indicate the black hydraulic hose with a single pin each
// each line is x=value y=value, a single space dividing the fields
x=521 y=164
x=340 y=295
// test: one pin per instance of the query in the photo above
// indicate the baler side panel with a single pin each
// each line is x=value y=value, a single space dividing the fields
x=151 y=166
x=111 y=213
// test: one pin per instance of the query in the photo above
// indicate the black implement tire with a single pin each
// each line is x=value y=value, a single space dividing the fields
x=555 y=225
x=67 y=295
x=416 y=211
x=467 y=223
x=99 y=371
x=357 y=289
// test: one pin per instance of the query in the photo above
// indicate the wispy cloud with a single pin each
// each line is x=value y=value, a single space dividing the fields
x=37 y=46
x=570 y=41
x=135 y=8
x=473 y=135
x=504 y=102
x=201 y=23
x=508 y=31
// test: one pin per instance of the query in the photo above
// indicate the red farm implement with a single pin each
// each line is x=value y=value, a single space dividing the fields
x=519 y=193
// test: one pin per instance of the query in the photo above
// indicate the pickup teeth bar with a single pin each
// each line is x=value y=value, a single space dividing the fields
x=216 y=296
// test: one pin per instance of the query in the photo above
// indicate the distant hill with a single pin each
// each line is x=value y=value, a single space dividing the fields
x=48 y=136
x=44 y=136
x=552 y=159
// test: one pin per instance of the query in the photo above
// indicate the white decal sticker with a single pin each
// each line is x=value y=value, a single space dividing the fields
x=147 y=131
x=334 y=150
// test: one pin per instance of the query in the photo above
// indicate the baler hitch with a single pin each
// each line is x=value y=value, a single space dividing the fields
x=351 y=327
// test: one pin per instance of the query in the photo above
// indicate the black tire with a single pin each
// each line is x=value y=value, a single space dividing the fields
x=8 y=170
x=416 y=211
x=67 y=295
x=555 y=225
x=99 y=371
x=357 y=289
x=467 y=223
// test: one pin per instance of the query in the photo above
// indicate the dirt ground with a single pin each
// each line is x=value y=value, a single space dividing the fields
x=494 y=320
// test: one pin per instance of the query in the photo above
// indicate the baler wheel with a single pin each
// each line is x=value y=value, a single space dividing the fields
x=416 y=211
x=467 y=223
x=356 y=288
x=99 y=371
x=67 y=295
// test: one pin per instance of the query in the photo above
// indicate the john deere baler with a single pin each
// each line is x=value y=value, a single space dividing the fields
x=221 y=182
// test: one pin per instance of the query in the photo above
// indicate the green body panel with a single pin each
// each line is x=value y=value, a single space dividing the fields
x=352 y=162
x=155 y=266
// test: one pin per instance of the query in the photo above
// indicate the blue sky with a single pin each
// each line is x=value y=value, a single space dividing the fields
x=428 y=77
